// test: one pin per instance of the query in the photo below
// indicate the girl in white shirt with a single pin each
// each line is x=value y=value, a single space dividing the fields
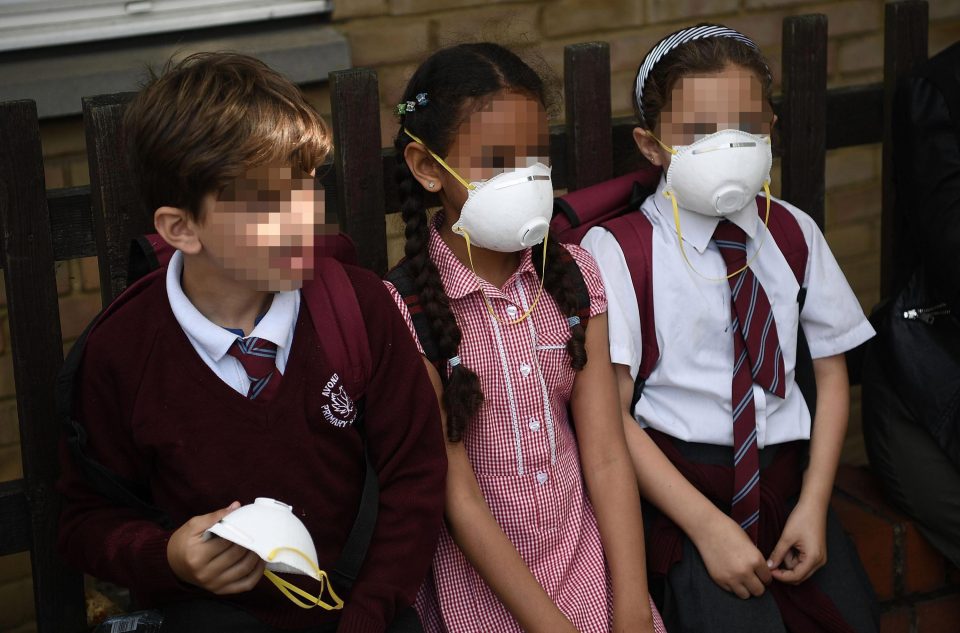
x=741 y=539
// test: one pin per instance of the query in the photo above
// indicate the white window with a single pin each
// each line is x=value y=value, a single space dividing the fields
x=26 y=24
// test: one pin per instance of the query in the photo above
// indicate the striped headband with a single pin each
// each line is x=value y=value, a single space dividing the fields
x=673 y=41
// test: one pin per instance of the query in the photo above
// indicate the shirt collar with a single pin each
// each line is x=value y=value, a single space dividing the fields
x=697 y=228
x=458 y=280
x=275 y=326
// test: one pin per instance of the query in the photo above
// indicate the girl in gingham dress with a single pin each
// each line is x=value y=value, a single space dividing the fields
x=524 y=548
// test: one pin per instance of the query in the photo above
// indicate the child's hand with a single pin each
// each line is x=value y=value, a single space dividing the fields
x=217 y=565
x=802 y=548
x=731 y=558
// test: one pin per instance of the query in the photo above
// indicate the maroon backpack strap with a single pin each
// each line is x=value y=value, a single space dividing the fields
x=338 y=321
x=788 y=235
x=634 y=234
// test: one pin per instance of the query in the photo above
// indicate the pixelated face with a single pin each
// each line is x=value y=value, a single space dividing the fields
x=509 y=132
x=262 y=227
x=701 y=105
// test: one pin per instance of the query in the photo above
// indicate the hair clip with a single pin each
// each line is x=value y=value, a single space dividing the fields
x=573 y=321
x=454 y=361
x=420 y=100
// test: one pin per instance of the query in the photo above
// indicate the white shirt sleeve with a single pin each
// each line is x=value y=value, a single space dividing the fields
x=832 y=319
x=623 y=313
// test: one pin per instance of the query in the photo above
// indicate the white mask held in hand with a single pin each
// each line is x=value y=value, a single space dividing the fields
x=271 y=530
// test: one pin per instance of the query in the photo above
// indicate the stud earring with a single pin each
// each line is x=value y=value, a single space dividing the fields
x=430 y=185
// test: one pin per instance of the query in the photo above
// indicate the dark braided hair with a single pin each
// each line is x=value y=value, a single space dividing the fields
x=460 y=80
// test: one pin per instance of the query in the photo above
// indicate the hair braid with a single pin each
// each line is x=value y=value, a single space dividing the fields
x=560 y=286
x=462 y=395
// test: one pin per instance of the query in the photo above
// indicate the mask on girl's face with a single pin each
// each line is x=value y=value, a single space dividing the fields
x=719 y=174
x=507 y=213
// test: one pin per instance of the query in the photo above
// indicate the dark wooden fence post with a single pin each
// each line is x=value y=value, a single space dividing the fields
x=119 y=214
x=904 y=49
x=586 y=87
x=355 y=101
x=803 y=113
x=26 y=250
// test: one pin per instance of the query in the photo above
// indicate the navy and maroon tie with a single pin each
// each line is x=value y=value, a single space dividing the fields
x=757 y=358
x=259 y=359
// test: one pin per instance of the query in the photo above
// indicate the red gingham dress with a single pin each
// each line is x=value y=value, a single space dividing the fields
x=523 y=451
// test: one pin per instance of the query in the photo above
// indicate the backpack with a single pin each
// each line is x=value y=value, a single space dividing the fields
x=402 y=279
x=614 y=205
x=342 y=337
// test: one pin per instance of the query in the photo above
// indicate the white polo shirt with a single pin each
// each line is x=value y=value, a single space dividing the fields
x=688 y=392
x=212 y=341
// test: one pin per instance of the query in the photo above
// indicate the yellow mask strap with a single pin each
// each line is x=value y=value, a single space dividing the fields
x=288 y=589
x=529 y=311
x=442 y=162
x=664 y=146
x=676 y=220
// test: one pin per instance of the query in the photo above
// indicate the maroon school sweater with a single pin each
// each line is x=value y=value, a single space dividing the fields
x=156 y=414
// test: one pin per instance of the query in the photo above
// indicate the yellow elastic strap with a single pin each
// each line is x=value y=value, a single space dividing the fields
x=676 y=219
x=666 y=147
x=288 y=589
x=442 y=162
x=529 y=311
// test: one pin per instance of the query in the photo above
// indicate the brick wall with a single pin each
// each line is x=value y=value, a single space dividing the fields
x=393 y=35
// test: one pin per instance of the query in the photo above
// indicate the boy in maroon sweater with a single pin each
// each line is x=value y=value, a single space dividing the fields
x=225 y=149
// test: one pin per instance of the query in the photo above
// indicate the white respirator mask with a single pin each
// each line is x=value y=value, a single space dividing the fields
x=719 y=174
x=507 y=213
x=269 y=529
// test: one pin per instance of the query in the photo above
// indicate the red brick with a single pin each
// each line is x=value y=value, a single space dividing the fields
x=54 y=175
x=896 y=621
x=874 y=539
x=924 y=568
x=861 y=53
x=941 y=615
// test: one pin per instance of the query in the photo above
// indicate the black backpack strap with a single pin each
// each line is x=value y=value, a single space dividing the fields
x=346 y=569
x=402 y=280
x=105 y=482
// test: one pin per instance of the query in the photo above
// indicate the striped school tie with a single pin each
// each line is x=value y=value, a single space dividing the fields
x=259 y=359
x=757 y=358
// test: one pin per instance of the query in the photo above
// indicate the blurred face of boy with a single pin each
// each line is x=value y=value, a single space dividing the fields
x=260 y=231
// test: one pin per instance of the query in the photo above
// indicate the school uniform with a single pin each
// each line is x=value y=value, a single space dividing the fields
x=687 y=406
x=522 y=448
x=166 y=407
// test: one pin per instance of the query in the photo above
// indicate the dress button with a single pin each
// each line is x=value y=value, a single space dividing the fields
x=524 y=370
x=541 y=477
x=534 y=424
x=512 y=312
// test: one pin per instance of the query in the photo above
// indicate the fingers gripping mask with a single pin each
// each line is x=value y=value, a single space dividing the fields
x=719 y=174
x=509 y=212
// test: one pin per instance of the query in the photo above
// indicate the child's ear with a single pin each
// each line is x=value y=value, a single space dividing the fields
x=423 y=167
x=648 y=146
x=178 y=228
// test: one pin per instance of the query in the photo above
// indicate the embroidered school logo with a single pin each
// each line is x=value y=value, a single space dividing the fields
x=339 y=410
